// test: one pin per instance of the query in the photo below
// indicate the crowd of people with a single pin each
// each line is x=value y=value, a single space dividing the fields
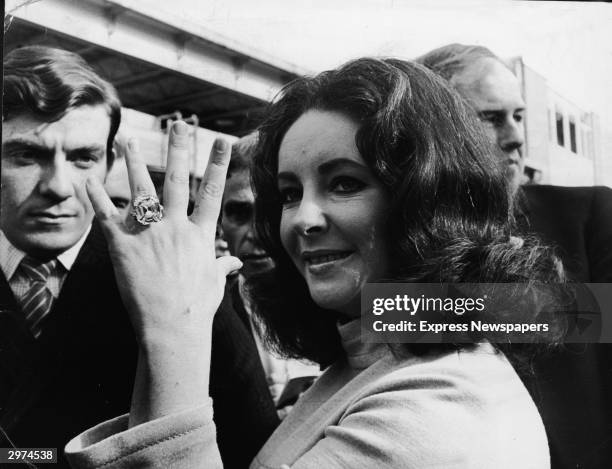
x=127 y=340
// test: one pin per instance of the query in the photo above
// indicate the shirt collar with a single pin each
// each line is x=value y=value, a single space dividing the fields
x=68 y=257
x=11 y=257
x=359 y=354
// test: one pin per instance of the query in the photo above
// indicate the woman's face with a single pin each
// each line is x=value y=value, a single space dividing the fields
x=334 y=210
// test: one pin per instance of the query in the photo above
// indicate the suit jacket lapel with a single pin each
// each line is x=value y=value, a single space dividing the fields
x=93 y=256
x=8 y=302
x=238 y=304
x=91 y=259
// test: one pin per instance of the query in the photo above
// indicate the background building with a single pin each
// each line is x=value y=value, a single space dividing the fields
x=564 y=144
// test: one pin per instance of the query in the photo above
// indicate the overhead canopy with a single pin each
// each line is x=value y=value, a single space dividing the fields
x=158 y=64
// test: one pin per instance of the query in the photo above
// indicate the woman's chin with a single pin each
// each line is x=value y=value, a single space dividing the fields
x=332 y=298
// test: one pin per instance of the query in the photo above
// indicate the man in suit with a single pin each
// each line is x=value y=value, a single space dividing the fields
x=67 y=351
x=573 y=387
x=237 y=222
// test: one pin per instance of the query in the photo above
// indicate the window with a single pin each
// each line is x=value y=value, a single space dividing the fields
x=560 y=136
x=572 y=132
x=550 y=126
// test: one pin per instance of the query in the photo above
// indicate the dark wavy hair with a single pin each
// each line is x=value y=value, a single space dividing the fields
x=449 y=219
x=48 y=82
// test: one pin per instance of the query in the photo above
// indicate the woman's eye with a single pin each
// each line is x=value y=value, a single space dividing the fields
x=290 y=195
x=346 y=185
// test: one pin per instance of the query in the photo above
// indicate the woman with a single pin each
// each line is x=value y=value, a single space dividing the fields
x=369 y=172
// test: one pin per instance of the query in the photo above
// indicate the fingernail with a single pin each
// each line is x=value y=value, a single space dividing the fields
x=235 y=271
x=180 y=128
x=220 y=145
x=237 y=266
x=133 y=144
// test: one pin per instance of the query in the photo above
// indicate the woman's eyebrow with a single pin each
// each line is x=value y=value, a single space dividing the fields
x=332 y=165
x=323 y=169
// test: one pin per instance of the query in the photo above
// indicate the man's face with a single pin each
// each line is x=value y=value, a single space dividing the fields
x=117 y=187
x=237 y=223
x=44 y=208
x=495 y=94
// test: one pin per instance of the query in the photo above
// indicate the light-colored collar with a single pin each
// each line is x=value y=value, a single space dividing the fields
x=11 y=257
x=359 y=354
x=68 y=257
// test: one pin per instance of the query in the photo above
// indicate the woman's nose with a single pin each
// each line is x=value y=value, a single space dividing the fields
x=310 y=218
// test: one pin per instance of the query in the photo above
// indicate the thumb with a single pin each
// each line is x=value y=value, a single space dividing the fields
x=228 y=264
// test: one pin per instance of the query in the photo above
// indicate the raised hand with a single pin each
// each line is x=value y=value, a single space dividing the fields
x=167 y=273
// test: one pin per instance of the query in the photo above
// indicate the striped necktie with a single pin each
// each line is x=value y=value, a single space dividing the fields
x=37 y=302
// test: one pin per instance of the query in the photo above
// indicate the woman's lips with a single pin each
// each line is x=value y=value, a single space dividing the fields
x=320 y=262
x=324 y=258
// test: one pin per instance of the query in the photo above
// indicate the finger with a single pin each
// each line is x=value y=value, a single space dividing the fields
x=208 y=200
x=138 y=175
x=106 y=213
x=176 y=184
x=228 y=265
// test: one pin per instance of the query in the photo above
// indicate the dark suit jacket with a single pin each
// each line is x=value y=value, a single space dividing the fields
x=238 y=386
x=573 y=387
x=578 y=221
x=81 y=370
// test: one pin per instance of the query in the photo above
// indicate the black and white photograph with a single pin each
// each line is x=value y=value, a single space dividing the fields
x=326 y=234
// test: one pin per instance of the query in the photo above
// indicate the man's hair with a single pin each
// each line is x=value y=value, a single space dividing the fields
x=47 y=83
x=447 y=61
x=242 y=154
x=449 y=212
